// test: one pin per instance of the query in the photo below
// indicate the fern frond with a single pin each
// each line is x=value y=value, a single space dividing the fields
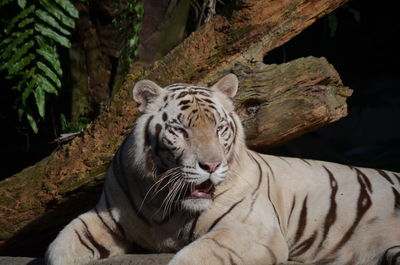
x=23 y=14
x=58 y=13
x=48 y=32
x=29 y=51
x=47 y=18
x=69 y=7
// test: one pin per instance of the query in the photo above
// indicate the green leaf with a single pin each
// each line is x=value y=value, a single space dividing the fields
x=28 y=90
x=22 y=3
x=133 y=41
x=52 y=59
x=49 y=53
x=46 y=17
x=16 y=64
x=21 y=64
x=139 y=10
x=32 y=123
x=40 y=100
x=69 y=7
x=25 y=22
x=48 y=32
x=64 y=123
x=23 y=14
x=13 y=41
x=57 y=13
x=45 y=84
x=49 y=73
x=21 y=112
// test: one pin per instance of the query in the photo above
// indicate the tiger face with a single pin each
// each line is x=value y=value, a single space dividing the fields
x=188 y=138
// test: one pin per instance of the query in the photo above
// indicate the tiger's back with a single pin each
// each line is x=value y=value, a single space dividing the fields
x=184 y=181
x=332 y=213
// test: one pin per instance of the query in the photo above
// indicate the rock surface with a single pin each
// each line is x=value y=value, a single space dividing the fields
x=140 y=259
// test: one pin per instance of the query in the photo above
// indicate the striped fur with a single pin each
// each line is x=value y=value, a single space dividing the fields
x=165 y=192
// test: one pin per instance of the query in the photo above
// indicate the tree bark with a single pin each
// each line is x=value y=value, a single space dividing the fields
x=38 y=201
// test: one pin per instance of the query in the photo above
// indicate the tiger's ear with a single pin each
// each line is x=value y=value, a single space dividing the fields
x=144 y=92
x=227 y=85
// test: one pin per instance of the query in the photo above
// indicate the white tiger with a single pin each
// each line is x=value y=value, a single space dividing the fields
x=184 y=181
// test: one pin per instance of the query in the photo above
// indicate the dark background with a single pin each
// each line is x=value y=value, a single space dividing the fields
x=366 y=55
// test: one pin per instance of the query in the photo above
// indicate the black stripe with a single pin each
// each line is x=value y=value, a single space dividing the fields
x=176 y=88
x=219 y=194
x=102 y=221
x=302 y=221
x=291 y=210
x=104 y=252
x=146 y=133
x=397 y=177
x=120 y=229
x=231 y=156
x=202 y=93
x=396 y=198
x=192 y=228
x=364 y=178
x=269 y=192
x=267 y=164
x=259 y=175
x=226 y=248
x=251 y=206
x=185 y=107
x=208 y=100
x=284 y=159
x=305 y=161
x=83 y=242
x=182 y=94
x=330 y=218
x=304 y=246
x=363 y=204
x=164 y=116
x=385 y=175
x=224 y=214
x=184 y=102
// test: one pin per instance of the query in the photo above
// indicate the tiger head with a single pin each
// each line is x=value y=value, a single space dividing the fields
x=187 y=138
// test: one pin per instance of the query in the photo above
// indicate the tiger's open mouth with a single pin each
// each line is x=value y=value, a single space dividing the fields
x=204 y=190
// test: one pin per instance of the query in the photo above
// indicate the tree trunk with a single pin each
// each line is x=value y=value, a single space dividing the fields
x=38 y=201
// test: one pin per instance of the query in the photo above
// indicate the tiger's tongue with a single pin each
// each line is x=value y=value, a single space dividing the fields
x=200 y=194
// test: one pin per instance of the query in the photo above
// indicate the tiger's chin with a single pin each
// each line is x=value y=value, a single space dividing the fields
x=196 y=205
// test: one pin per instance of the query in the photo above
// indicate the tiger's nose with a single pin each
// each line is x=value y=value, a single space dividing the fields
x=209 y=166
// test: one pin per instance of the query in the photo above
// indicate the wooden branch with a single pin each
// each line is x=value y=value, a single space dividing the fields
x=279 y=103
x=36 y=202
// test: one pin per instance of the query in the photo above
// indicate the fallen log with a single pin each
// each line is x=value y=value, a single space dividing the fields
x=276 y=103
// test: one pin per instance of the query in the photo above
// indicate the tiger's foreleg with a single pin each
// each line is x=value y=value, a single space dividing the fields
x=239 y=244
x=89 y=237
